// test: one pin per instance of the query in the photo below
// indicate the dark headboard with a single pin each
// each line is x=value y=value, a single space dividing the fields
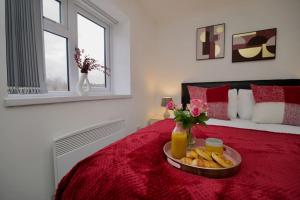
x=185 y=97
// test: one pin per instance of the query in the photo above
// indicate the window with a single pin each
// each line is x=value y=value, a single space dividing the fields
x=85 y=32
x=48 y=66
x=93 y=42
x=55 y=47
x=52 y=10
x=56 y=62
x=88 y=32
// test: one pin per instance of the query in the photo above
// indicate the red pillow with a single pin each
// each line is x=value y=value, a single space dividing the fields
x=292 y=94
x=287 y=97
x=267 y=93
x=216 y=99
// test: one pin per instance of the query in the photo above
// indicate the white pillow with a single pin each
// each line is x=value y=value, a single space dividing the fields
x=232 y=104
x=245 y=104
x=268 y=113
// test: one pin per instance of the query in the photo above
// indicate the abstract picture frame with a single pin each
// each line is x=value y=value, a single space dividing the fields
x=254 y=45
x=210 y=42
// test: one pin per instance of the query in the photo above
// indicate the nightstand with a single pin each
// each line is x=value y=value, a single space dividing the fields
x=155 y=118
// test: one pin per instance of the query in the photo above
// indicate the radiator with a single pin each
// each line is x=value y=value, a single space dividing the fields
x=73 y=147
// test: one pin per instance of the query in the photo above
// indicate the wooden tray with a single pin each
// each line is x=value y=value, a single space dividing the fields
x=229 y=153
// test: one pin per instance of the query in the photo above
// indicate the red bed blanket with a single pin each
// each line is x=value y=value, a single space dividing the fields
x=135 y=168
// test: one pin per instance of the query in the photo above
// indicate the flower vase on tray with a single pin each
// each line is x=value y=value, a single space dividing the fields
x=85 y=65
x=190 y=137
x=195 y=113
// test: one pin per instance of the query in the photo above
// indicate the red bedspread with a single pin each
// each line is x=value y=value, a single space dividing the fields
x=135 y=168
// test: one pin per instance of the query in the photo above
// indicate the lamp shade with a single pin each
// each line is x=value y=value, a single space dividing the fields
x=165 y=100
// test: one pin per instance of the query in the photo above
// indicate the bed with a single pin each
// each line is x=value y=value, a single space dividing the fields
x=135 y=167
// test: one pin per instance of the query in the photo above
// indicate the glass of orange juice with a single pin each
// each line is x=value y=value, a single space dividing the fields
x=214 y=145
x=178 y=141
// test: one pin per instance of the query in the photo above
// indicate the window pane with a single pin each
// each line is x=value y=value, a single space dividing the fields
x=91 y=39
x=51 y=10
x=56 y=62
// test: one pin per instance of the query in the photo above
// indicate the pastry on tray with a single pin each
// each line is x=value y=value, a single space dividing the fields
x=201 y=157
x=220 y=159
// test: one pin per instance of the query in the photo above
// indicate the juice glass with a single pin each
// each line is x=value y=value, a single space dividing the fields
x=214 y=145
x=178 y=141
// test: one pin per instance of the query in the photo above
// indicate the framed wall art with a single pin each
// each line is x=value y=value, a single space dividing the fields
x=256 y=45
x=210 y=42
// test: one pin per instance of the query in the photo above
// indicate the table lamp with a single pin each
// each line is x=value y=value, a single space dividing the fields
x=164 y=102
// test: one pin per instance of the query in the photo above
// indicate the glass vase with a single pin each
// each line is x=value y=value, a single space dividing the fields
x=190 y=137
x=83 y=85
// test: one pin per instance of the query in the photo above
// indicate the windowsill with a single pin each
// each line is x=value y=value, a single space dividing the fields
x=25 y=100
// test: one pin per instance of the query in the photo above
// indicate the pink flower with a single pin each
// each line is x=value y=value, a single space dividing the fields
x=196 y=111
x=197 y=102
x=170 y=105
x=205 y=107
x=178 y=107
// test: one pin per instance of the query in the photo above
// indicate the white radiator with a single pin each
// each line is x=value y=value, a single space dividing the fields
x=70 y=149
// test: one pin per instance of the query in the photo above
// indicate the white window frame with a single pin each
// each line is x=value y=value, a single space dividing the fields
x=79 y=9
x=115 y=87
x=68 y=29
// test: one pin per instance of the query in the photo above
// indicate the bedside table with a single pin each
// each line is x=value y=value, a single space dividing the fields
x=157 y=118
x=154 y=119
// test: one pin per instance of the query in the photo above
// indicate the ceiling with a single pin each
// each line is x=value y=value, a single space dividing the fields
x=165 y=10
x=168 y=10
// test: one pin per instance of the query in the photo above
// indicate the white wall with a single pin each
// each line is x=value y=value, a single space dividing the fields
x=176 y=38
x=26 y=133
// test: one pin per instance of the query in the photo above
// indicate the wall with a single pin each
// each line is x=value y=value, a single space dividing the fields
x=26 y=133
x=176 y=38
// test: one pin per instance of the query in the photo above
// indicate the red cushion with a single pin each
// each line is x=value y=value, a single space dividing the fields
x=267 y=93
x=292 y=94
x=197 y=93
x=291 y=114
x=216 y=98
x=289 y=95
x=217 y=94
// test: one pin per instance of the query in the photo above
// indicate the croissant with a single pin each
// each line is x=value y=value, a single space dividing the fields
x=187 y=161
x=191 y=154
x=220 y=159
x=204 y=154
x=211 y=164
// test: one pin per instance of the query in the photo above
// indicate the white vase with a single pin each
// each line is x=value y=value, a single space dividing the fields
x=83 y=85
